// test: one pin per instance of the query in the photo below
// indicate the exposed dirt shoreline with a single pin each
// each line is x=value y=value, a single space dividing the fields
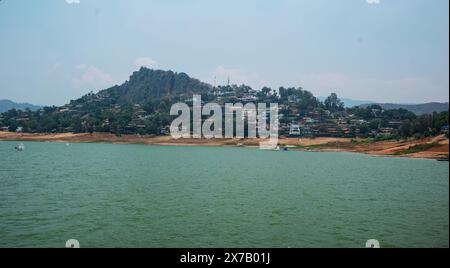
x=430 y=148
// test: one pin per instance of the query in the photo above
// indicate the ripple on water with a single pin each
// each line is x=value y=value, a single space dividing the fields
x=152 y=196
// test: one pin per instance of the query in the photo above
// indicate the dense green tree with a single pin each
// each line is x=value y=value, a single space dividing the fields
x=333 y=103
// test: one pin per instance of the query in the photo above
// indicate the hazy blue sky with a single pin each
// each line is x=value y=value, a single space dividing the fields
x=381 y=50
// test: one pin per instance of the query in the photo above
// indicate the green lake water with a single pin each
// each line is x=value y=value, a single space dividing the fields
x=107 y=195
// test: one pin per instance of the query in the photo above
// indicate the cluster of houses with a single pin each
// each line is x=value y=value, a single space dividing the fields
x=293 y=122
x=317 y=123
x=138 y=118
x=328 y=124
x=307 y=127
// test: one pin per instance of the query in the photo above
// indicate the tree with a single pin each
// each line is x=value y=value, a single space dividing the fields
x=266 y=91
x=374 y=124
x=406 y=129
x=333 y=103
x=364 y=129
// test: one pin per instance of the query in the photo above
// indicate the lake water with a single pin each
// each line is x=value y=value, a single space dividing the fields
x=108 y=195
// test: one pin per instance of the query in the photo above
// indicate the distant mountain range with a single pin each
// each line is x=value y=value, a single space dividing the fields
x=6 y=105
x=419 y=109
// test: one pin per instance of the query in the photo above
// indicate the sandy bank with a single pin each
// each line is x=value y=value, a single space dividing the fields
x=435 y=147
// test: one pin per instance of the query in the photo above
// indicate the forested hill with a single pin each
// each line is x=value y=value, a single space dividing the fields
x=148 y=85
x=142 y=104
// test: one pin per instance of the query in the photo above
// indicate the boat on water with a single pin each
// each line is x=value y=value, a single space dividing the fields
x=289 y=146
x=270 y=148
x=20 y=147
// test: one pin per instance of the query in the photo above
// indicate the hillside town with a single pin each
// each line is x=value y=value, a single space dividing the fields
x=135 y=108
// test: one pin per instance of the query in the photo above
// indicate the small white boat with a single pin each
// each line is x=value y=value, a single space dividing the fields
x=20 y=147
x=269 y=148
